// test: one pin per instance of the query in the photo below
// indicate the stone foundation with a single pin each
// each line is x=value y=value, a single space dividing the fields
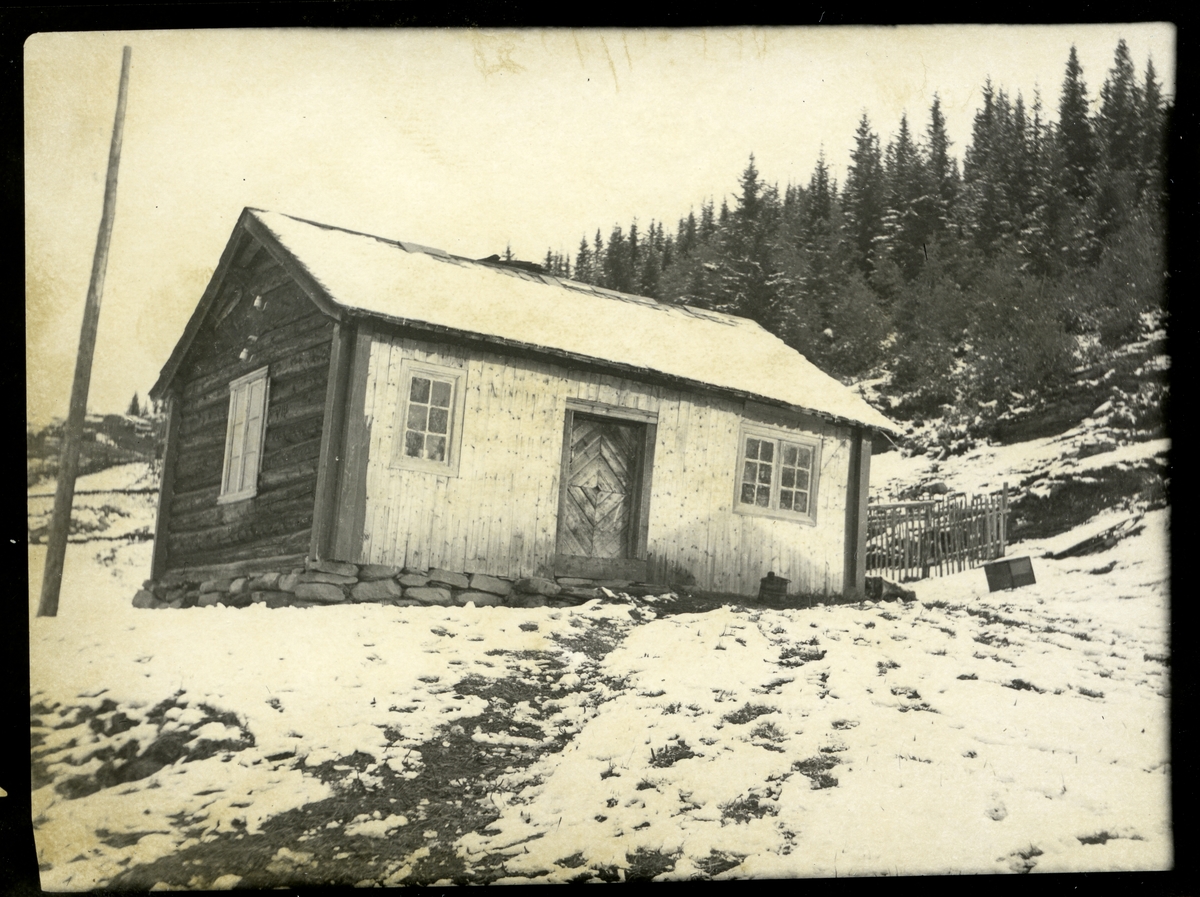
x=320 y=583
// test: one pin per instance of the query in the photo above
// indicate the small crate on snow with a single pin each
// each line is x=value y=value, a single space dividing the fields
x=1009 y=573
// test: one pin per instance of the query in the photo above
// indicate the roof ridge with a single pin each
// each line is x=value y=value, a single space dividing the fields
x=545 y=277
x=347 y=230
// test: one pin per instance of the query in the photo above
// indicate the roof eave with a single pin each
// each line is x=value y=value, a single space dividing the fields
x=247 y=224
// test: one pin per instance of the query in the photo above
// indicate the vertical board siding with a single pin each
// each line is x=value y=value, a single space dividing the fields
x=500 y=514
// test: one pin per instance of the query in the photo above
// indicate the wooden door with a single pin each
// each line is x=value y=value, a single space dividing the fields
x=600 y=501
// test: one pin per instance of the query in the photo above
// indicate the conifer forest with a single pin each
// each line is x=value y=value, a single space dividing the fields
x=964 y=291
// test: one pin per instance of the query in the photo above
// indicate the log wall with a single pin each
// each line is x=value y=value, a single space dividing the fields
x=499 y=515
x=293 y=339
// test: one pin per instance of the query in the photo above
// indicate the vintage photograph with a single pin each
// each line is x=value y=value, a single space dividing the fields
x=517 y=456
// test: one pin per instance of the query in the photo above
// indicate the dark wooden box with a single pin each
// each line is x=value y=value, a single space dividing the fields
x=1009 y=573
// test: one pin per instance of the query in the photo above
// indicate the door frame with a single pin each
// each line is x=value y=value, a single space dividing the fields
x=635 y=566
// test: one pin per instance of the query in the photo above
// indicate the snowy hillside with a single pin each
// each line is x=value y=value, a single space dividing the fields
x=114 y=504
x=964 y=732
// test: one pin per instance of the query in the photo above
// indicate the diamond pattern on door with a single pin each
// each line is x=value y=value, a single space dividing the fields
x=601 y=489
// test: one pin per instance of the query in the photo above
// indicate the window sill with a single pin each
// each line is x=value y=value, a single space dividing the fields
x=775 y=514
x=233 y=497
x=424 y=465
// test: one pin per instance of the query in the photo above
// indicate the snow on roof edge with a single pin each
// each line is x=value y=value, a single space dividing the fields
x=843 y=403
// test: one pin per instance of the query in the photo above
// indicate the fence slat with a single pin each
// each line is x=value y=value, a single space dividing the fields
x=916 y=540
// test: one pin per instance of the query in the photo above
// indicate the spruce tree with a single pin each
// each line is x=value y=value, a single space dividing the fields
x=1076 y=140
x=942 y=169
x=1039 y=238
x=910 y=211
x=597 y=260
x=708 y=225
x=1119 y=118
x=583 y=262
x=863 y=195
x=1151 y=164
x=633 y=260
x=820 y=197
x=687 y=235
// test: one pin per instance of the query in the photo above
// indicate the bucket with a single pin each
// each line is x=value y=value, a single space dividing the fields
x=772 y=589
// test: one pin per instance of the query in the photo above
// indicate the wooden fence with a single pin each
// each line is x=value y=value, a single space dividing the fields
x=913 y=540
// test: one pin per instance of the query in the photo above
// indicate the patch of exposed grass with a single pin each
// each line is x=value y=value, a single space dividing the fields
x=718 y=861
x=747 y=713
x=767 y=731
x=1022 y=685
x=596 y=640
x=817 y=770
x=798 y=655
x=743 y=809
x=671 y=754
x=646 y=864
x=992 y=641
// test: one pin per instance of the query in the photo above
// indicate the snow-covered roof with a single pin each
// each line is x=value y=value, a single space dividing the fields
x=411 y=284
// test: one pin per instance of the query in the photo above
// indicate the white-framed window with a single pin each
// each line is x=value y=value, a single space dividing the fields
x=429 y=417
x=244 y=435
x=777 y=474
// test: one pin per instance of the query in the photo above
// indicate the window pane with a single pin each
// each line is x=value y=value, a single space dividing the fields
x=750 y=474
x=785 y=499
x=787 y=478
x=801 y=479
x=419 y=391
x=801 y=503
x=441 y=394
x=748 y=493
x=766 y=450
x=439 y=420
x=249 y=469
x=763 y=497
x=414 y=444
x=435 y=448
x=238 y=412
x=789 y=455
x=764 y=473
x=751 y=449
x=418 y=417
x=805 y=459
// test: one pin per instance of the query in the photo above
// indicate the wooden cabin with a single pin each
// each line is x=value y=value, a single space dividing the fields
x=340 y=397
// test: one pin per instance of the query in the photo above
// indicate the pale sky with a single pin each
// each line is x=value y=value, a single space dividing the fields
x=464 y=140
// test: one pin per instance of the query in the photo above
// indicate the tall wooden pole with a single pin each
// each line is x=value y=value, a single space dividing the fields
x=68 y=465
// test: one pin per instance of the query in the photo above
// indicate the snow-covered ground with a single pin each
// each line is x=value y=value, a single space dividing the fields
x=964 y=732
x=1041 y=461
x=102 y=508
